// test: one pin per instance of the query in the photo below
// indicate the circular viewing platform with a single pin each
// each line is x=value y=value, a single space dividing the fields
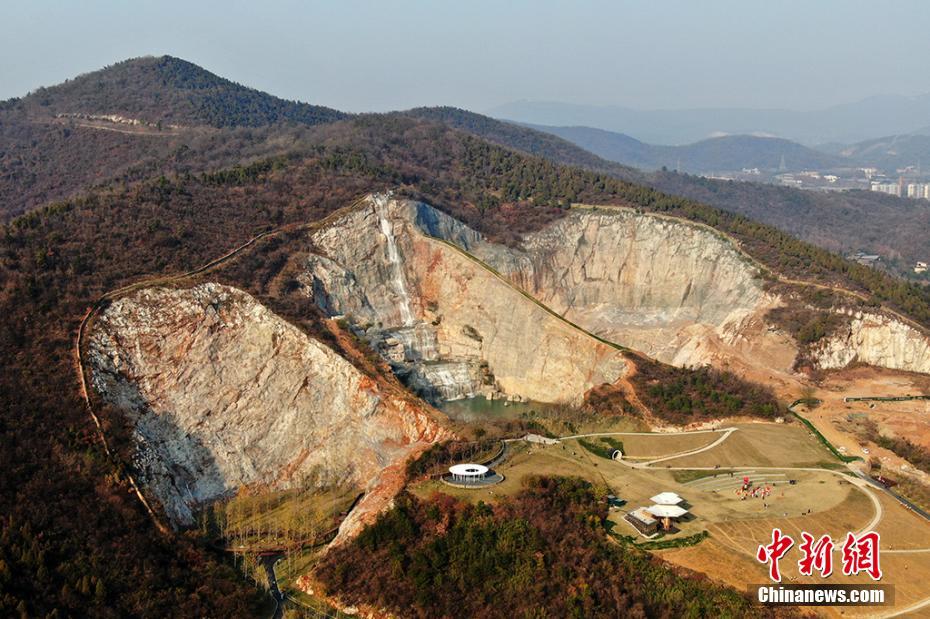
x=471 y=476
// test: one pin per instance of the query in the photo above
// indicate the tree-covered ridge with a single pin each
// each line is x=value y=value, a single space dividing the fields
x=171 y=91
x=537 y=143
x=541 y=553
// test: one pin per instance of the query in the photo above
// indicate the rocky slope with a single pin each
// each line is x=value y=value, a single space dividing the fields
x=675 y=291
x=877 y=340
x=672 y=290
x=450 y=327
x=223 y=393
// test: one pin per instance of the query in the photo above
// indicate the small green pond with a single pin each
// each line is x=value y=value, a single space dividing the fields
x=478 y=409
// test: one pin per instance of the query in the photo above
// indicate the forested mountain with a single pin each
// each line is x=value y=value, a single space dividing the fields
x=839 y=222
x=166 y=90
x=726 y=153
x=132 y=120
x=67 y=512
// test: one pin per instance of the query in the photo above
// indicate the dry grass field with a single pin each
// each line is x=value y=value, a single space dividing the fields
x=762 y=444
x=900 y=528
x=728 y=555
x=658 y=445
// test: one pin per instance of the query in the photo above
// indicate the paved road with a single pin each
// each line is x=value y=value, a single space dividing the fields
x=900 y=499
x=269 y=562
x=726 y=434
x=645 y=465
x=563 y=438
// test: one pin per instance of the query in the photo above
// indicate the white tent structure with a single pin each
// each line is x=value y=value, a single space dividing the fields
x=666 y=513
x=666 y=498
x=467 y=473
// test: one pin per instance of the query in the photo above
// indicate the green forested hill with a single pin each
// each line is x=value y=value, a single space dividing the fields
x=58 y=140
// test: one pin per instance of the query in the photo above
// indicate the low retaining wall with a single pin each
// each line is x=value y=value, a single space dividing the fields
x=489 y=480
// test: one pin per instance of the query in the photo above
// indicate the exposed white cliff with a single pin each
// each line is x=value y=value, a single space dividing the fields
x=675 y=291
x=877 y=340
x=398 y=278
x=223 y=393
x=470 y=332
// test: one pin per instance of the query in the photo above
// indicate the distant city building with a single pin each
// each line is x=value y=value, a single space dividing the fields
x=918 y=190
x=887 y=187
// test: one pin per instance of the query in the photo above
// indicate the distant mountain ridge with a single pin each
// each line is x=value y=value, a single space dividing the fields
x=890 y=152
x=725 y=153
x=168 y=90
x=854 y=122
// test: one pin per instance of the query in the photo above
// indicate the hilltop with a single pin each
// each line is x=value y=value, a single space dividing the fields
x=132 y=120
x=167 y=90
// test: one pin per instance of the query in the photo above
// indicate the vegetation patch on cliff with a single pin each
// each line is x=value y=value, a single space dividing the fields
x=686 y=395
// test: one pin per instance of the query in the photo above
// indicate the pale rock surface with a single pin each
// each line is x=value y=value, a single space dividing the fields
x=675 y=291
x=878 y=340
x=222 y=393
x=466 y=327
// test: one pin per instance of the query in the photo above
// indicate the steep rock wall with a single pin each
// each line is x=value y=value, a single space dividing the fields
x=465 y=323
x=877 y=340
x=673 y=290
x=223 y=393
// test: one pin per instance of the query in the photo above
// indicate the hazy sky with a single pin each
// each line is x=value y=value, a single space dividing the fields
x=362 y=56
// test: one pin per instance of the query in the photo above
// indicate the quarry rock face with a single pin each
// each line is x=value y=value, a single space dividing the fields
x=670 y=289
x=450 y=326
x=677 y=292
x=878 y=340
x=223 y=393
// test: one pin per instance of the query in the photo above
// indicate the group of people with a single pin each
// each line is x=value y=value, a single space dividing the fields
x=749 y=491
